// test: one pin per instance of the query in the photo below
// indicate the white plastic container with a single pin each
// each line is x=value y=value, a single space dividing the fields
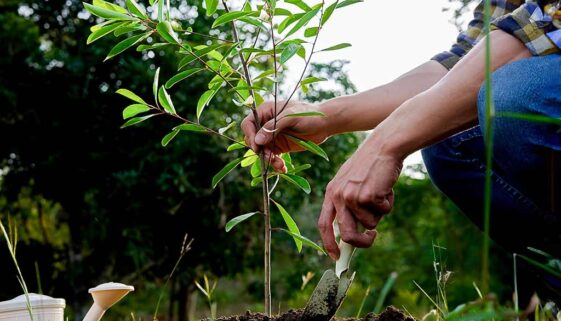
x=44 y=308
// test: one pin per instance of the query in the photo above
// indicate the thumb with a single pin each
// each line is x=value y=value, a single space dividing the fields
x=265 y=134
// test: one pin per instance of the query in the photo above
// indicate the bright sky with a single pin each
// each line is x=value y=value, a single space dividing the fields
x=388 y=38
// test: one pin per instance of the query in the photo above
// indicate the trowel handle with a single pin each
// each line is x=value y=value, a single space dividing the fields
x=346 y=253
x=94 y=313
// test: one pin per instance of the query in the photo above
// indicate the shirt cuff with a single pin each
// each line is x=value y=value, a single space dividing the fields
x=530 y=25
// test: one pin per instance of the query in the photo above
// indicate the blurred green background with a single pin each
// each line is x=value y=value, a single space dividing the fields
x=93 y=203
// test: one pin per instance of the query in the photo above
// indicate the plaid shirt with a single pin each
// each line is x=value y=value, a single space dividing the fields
x=525 y=20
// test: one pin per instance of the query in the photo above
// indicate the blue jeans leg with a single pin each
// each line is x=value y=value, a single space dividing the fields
x=526 y=180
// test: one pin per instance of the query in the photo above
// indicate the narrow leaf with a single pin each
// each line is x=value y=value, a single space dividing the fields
x=136 y=9
x=191 y=128
x=309 y=146
x=328 y=12
x=311 y=80
x=288 y=21
x=310 y=32
x=155 y=84
x=109 y=6
x=288 y=52
x=224 y=171
x=165 y=101
x=336 y=47
x=134 y=110
x=166 y=31
x=204 y=100
x=235 y=146
x=224 y=129
x=102 y=32
x=300 y=168
x=152 y=46
x=238 y=219
x=348 y=3
x=249 y=158
x=126 y=44
x=211 y=6
x=134 y=121
x=298 y=181
x=303 y=21
x=168 y=138
x=300 y=4
x=291 y=224
x=130 y=95
x=230 y=16
x=182 y=76
x=106 y=13
x=306 y=241
x=128 y=28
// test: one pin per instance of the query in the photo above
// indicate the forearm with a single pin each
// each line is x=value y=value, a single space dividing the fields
x=365 y=110
x=450 y=105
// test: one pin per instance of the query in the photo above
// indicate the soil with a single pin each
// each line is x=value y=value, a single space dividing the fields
x=390 y=314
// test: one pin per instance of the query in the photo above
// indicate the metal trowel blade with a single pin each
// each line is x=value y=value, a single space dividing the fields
x=327 y=296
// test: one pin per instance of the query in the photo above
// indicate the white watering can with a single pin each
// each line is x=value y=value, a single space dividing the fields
x=45 y=308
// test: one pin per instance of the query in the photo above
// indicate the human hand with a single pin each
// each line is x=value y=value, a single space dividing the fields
x=360 y=193
x=270 y=136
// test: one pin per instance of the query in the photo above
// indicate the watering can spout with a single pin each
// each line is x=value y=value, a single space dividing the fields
x=105 y=296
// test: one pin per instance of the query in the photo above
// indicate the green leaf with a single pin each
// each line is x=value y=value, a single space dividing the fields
x=249 y=158
x=305 y=241
x=225 y=129
x=348 y=3
x=109 y=6
x=106 y=13
x=103 y=31
x=211 y=6
x=152 y=46
x=309 y=146
x=310 y=32
x=336 y=47
x=155 y=84
x=254 y=21
x=224 y=171
x=204 y=100
x=298 y=181
x=300 y=168
x=166 y=31
x=238 y=219
x=230 y=16
x=265 y=74
x=134 y=121
x=311 y=80
x=303 y=21
x=126 y=44
x=300 y=4
x=161 y=10
x=256 y=181
x=191 y=128
x=328 y=12
x=168 y=138
x=292 y=227
x=282 y=12
x=256 y=169
x=165 y=101
x=136 y=9
x=532 y=118
x=134 y=110
x=288 y=21
x=289 y=51
x=235 y=146
x=307 y=114
x=182 y=76
x=200 y=51
x=130 y=95
x=128 y=28
x=151 y=2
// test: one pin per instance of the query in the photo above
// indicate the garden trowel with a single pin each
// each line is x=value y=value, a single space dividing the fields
x=331 y=289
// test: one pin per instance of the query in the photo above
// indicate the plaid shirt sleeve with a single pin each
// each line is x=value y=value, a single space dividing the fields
x=525 y=21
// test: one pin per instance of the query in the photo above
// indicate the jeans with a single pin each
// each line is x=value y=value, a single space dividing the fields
x=526 y=173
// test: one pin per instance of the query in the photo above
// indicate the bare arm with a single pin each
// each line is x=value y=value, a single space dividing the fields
x=362 y=189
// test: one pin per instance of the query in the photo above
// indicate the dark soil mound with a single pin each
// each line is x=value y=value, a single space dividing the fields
x=390 y=314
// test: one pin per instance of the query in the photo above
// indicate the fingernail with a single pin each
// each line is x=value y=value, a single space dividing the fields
x=260 y=139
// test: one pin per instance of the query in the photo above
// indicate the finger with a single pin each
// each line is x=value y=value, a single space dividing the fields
x=325 y=225
x=266 y=133
x=360 y=206
x=349 y=230
x=249 y=130
x=275 y=160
